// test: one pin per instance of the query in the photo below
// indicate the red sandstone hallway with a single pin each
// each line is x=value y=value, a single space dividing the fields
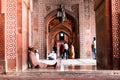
x=39 y=23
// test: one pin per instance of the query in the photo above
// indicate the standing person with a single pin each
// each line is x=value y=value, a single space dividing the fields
x=94 y=47
x=62 y=51
x=55 y=48
x=66 y=51
x=72 y=52
x=28 y=59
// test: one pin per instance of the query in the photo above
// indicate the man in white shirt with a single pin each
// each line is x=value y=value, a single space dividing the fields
x=52 y=56
x=94 y=47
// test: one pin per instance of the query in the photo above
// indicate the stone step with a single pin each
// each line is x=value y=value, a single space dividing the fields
x=63 y=75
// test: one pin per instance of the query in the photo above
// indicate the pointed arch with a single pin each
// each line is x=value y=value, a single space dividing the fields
x=53 y=27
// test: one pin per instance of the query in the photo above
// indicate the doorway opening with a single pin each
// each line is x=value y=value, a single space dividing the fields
x=59 y=33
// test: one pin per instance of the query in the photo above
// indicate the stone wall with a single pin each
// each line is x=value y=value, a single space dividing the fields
x=2 y=41
x=86 y=27
x=103 y=34
x=14 y=35
x=25 y=32
x=19 y=36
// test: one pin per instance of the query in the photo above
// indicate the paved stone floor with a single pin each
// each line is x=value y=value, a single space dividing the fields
x=77 y=69
x=72 y=64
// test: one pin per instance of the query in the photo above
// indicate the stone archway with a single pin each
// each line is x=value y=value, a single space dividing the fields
x=55 y=39
x=53 y=27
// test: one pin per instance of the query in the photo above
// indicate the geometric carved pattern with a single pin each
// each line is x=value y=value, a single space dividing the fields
x=41 y=30
x=10 y=29
x=116 y=27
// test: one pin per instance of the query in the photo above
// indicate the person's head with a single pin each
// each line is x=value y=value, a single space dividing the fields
x=36 y=50
x=30 y=49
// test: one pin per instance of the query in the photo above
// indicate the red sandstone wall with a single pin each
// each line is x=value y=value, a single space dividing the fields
x=10 y=34
x=25 y=33
x=16 y=35
x=19 y=36
x=2 y=41
x=36 y=35
x=103 y=34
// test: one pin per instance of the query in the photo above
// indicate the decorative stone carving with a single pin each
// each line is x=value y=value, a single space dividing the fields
x=116 y=28
x=11 y=29
x=75 y=10
x=48 y=8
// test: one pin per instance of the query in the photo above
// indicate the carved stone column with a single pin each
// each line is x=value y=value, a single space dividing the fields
x=10 y=34
x=116 y=33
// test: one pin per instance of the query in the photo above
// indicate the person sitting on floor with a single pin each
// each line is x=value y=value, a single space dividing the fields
x=37 y=64
x=52 y=56
x=37 y=54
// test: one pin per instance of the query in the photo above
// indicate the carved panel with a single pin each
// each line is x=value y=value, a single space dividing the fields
x=116 y=27
x=75 y=10
x=10 y=29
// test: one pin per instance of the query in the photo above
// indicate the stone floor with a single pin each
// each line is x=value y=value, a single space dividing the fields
x=78 y=69
x=72 y=64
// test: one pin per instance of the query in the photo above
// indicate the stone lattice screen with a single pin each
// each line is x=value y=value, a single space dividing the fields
x=116 y=27
x=116 y=31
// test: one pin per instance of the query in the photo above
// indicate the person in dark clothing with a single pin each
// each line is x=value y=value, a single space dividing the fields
x=55 y=48
x=62 y=51
x=66 y=51
x=28 y=59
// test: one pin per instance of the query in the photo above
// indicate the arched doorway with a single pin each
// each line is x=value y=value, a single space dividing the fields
x=53 y=29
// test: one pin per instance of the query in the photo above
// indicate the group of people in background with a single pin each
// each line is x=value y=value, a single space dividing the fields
x=67 y=51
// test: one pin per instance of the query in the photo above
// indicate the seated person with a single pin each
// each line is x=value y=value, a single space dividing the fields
x=52 y=56
x=36 y=54
x=37 y=64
